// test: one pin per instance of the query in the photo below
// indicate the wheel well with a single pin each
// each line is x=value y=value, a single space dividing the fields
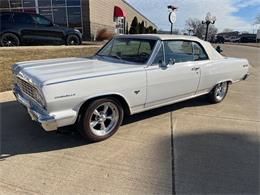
x=72 y=34
x=119 y=98
x=228 y=81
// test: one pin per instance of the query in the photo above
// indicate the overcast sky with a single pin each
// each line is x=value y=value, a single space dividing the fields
x=232 y=14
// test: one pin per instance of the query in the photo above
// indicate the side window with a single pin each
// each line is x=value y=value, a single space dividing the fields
x=199 y=53
x=145 y=48
x=22 y=19
x=180 y=51
x=159 y=57
x=41 y=20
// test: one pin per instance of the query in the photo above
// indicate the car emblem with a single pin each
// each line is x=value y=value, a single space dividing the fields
x=136 y=92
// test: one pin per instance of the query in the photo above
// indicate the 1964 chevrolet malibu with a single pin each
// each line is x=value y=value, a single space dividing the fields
x=130 y=74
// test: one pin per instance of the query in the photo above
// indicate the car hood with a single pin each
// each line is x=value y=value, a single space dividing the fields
x=44 y=72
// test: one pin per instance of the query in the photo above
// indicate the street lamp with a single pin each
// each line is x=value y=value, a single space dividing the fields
x=172 y=15
x=208 y=20
x=190 y=30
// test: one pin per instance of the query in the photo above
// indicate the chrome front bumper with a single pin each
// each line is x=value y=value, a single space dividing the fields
x=35 y=111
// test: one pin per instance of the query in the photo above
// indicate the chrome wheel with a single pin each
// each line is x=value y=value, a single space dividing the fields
x=221 y=91
x=104 y=119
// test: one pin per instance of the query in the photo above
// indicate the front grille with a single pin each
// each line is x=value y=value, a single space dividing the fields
x=27 y=88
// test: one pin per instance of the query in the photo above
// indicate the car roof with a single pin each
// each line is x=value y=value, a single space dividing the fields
x=212 y=53
x=161 y=37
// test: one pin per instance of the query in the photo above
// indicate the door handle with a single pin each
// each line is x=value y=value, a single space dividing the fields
x=195 y=68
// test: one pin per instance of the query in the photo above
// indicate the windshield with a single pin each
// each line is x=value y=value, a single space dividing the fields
x=128 y=49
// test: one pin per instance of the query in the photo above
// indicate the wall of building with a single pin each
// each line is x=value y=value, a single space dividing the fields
x=85 y=20
x=101 y=15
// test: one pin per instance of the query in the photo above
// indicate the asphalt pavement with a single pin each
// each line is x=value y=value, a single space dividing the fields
x=191 y=147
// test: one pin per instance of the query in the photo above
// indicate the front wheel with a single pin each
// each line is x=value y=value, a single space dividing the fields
x=101 y=119
x=218 y=93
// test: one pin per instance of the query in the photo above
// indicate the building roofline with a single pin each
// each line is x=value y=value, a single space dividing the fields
x=140 y=13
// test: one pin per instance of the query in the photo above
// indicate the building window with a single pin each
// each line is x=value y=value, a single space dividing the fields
x=28 y=3
x=58 y=3
x=61 y=12
x=59 y=16
x=74 y=17
x=4 y=4
x=73 y=2
x=120 y=25
x=15 y=3
x=44 y=3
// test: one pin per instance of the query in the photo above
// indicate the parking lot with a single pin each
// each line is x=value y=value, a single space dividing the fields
x=190 y=147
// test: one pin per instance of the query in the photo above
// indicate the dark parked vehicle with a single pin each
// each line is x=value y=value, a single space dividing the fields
x=217 y=39
x=248 y=38
x=24 y=28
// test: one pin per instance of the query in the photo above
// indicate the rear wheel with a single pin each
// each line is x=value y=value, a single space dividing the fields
x=73 y=40
x=9 y=40
x=219 y=93
x=101 y=119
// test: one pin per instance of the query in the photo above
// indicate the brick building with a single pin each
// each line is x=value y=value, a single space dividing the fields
x=89 y=16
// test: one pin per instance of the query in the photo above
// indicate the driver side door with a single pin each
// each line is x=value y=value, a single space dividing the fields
x=46 y=31
x=178 y=80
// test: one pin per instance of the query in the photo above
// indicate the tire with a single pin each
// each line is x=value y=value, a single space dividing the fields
x=9 y=40
x=101 y=119
x=218 y=93
x=73 y=40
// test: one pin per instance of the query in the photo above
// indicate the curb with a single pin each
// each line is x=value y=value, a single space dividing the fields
x=7 y=96
x=256 y=46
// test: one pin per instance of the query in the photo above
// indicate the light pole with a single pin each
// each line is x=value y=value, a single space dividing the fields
x=190 y=30
x=208 y=20
x=172 y=15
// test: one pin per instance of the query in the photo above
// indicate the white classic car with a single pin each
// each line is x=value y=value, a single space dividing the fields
x=130 y=74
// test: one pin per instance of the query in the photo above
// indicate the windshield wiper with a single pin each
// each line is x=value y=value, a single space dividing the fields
x=115 y=56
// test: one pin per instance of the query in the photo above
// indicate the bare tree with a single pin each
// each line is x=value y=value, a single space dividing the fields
x=257 y=19
x=198 y=29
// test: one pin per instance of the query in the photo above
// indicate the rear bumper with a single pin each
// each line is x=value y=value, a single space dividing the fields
x=37 y=113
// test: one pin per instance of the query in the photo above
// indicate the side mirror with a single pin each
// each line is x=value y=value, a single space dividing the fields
x=162 y=64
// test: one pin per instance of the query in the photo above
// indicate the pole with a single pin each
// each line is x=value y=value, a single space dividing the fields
x=207 y=30
x=171 y=28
